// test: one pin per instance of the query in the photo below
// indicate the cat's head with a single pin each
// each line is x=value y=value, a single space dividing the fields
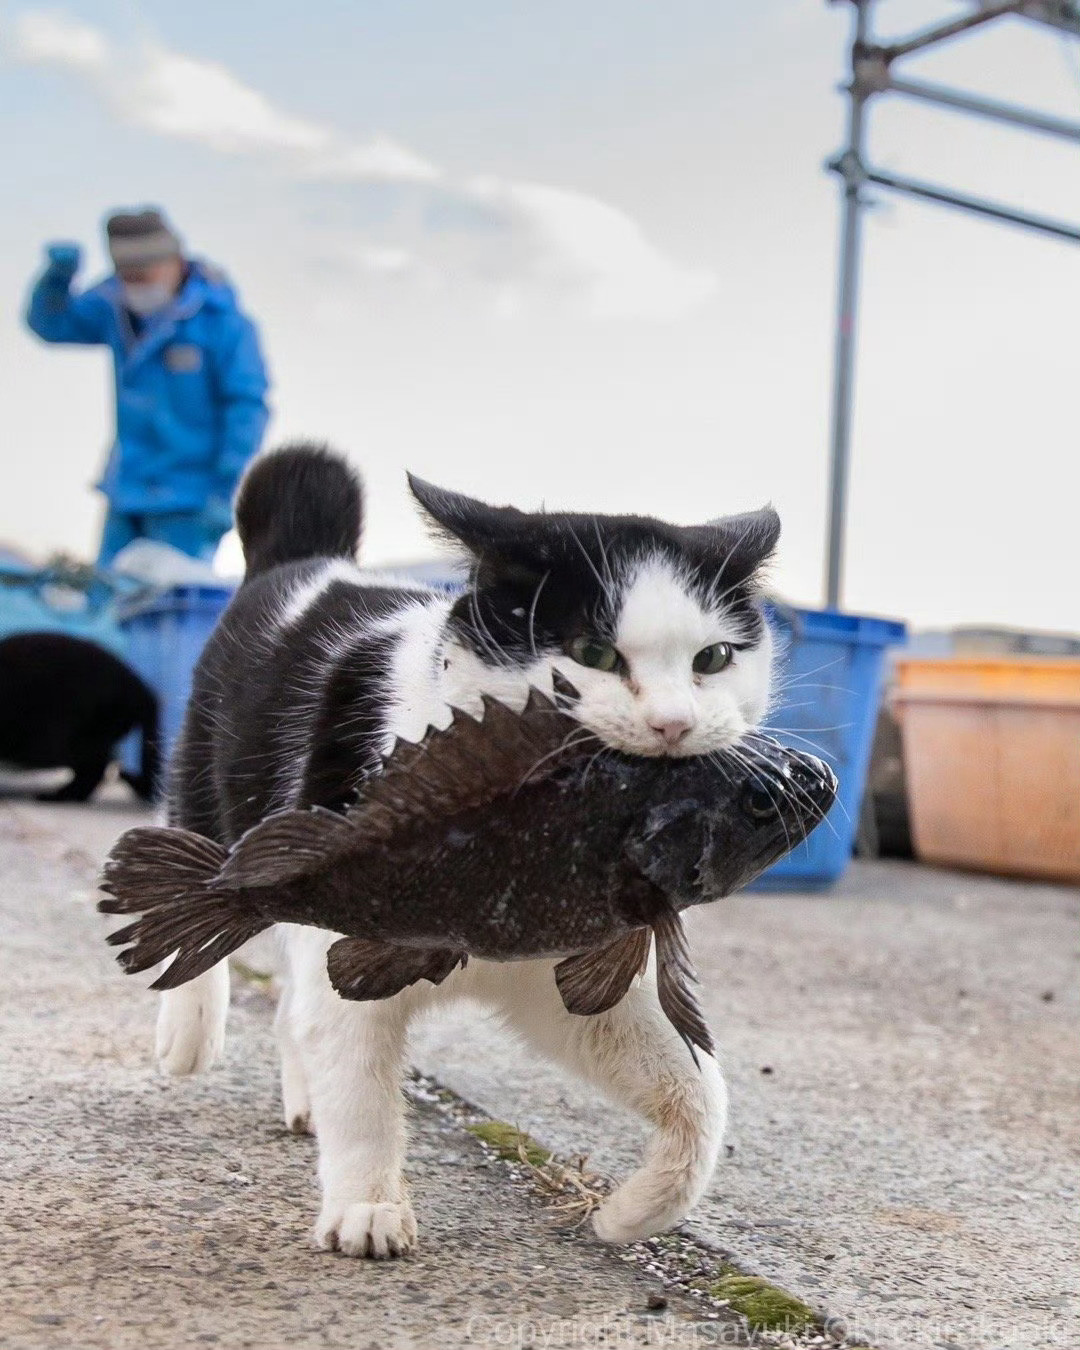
x=657 y=626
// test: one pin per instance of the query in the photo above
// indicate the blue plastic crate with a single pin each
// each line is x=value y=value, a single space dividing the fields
x=832 y=671
x=54 y=600
x=165 y=636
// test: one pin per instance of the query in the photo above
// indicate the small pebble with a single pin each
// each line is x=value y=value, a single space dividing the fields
x=1048 y=996
x=767 y=1069
x=656 y=1302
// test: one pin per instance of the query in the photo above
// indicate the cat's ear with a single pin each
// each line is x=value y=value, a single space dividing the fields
x=740 y=544
x=481 y=528
x=510 y=545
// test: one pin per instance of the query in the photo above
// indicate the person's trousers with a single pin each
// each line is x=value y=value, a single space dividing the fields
x=188 y=531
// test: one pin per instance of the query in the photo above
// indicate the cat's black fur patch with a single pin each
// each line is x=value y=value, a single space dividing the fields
x=544 y=578
x=65 y=703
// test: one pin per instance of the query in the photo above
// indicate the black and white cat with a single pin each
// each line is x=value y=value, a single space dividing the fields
x=316 y=667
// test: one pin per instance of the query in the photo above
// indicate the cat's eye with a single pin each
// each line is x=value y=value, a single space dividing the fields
x=713 y=658
x=595 y=653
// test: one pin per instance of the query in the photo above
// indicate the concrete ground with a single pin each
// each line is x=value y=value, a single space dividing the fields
x=903 y=1061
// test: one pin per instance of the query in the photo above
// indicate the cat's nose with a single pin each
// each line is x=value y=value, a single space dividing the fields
x=672 y=730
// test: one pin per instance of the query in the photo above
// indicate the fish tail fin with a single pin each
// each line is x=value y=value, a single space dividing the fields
x=166 y=876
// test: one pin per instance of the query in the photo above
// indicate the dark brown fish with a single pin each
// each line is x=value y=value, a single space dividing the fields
x=507 y=837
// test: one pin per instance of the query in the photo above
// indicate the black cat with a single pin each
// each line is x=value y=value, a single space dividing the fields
x=64 y=703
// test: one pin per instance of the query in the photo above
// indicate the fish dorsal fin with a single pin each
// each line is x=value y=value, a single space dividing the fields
x=469 y=763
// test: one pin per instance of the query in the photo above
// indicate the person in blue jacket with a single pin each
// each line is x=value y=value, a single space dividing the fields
x=190 y=381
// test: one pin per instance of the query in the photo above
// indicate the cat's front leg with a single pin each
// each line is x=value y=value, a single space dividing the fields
x=352 y=1057
x=635 y=1056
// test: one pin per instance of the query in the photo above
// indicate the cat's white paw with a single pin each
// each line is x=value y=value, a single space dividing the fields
x=376 y=1229
x=679 y=1162
x=191 y=1023
x=187 y=1043
x=640 y=1208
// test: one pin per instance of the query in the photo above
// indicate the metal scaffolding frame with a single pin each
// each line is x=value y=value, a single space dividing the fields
x=872 y=75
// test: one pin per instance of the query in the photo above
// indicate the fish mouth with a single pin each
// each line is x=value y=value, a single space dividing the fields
x=788 y=775
x=815 y=779
x=791 y=791
x=787 y=794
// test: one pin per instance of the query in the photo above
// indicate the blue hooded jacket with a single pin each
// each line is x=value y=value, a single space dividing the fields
x=190 y=387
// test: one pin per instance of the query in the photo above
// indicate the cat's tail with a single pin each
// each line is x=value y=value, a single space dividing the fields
x=167 y=877
x=302 y=501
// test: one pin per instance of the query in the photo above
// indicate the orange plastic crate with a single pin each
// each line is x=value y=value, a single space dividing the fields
x=992 y=760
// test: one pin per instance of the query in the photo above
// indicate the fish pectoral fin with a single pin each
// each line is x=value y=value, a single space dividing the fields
x=362 y=969
x=674 y=977
x=594 y=981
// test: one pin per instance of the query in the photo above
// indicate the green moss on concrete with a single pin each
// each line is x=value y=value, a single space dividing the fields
x=765 y=1307
x=509 y=1142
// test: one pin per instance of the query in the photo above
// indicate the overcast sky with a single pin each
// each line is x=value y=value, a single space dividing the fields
x=580 y=253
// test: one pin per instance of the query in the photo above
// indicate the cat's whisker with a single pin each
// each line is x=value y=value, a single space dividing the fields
x=585 y=554
x=783 y=731
x=604 y=557
x=791 y=681
x=571 y=742
x=532 y=614
x=498 y=654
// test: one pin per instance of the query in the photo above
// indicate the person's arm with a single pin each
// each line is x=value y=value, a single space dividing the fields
x=57 y=315
x=241 y=386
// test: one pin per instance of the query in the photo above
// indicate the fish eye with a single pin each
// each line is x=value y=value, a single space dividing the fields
x=758 y=801
x=595 y=653
x=710 y=660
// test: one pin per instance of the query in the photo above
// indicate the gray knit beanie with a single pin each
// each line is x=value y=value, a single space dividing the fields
x=138 y=238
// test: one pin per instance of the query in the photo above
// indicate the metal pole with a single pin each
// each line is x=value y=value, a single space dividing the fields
x=984 y=107
x=953 y=28
x=847 y=302
x=912 y=187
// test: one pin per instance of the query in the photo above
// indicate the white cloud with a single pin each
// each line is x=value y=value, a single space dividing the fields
x=45 y=37
x=149 y=86
x=590 y=246
x=524 y=243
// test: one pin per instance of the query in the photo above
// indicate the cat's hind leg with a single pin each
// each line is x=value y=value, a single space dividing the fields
x=636 y=1057
x=191 y=1022
x=295 y=1101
